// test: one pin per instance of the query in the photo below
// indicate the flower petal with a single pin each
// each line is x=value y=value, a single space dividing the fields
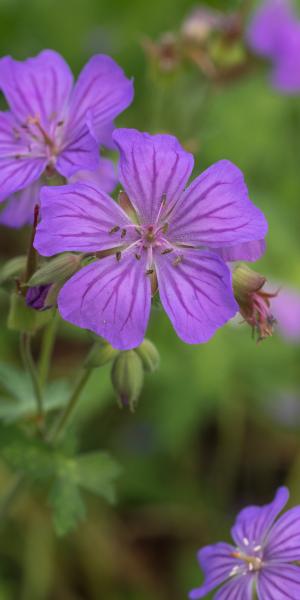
x=196 y=293
x=215 y=210
x=218 y=565
x=19 y=208
x=253 y=523
x=101 y=93
x=281 y=582
x=18 y=167
x=111 y=298
x=38 y=86
x=104 y=177
x=79 y=217
x=270 y=26
x=240 y=588
x=286 y=310
x=284 y=539
x=151 y=167
x=248 y=251
x=80 y=151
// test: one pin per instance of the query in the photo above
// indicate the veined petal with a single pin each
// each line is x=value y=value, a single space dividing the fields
x=79 y=151
x=18 y=209
x=254 y=523
x=152 y=167
x=284 y=539
x=111 y=298
x=281 y=582
x=239 y=588
x=215 y=210
x=196 y=293
x=101 y=92
x=80 y=217
x=218 y=566
x=248 y=251
x=18 y=166
x=104 y=177
x=37 y=87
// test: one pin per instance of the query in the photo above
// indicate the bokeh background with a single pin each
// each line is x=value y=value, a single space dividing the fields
x=218 y=425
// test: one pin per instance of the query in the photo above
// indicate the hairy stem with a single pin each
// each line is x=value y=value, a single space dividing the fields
x=25 y=344
x=63 y=418
x=47 y=349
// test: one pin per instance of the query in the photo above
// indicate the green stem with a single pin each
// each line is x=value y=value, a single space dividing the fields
x=63 y=418
x=47 y=349
x=31 y=368
x=10 y=495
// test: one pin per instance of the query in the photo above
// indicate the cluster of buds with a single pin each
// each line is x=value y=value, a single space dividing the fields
x=254 y=301
x=127 y=370
x=210 y=39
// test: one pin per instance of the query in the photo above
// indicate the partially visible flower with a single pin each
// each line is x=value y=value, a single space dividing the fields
x=168 y=243
x=275 y=33
x=18 y=209
x=165 y=52
x=286 y=310
x=52 y=126
x=254 y=302
x=202 y=22
x=263 y=556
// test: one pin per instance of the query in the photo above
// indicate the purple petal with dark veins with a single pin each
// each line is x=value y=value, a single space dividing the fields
x=151 y=167
x=284 y=539
x=19 y=167
x=280 y=582
x=80 y=217
x=196 y=293
x=218 y=564
x=253 y=524
x=101 y=92
x=215 y=210
x=248 y=251
x=240 y=588
x=37 y=87
x=104 y=177
x=110 y=297
x=18 y=209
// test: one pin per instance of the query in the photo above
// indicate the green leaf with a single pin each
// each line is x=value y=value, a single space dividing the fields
x=27 y=454
x=67 y=505
x=97 y=472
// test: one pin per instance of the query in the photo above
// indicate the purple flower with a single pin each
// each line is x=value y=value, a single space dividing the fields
x=53 y=125
x=168 y=242
x=262 y=556
x=18 y=209
x=36 y=297
x=275 y=34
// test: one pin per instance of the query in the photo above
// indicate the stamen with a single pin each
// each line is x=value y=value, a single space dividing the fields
x=114 y=229
x=167 y=251
x=138 y=256
x=123 y=233
x=149 y=272
x=118 y=256
x=177 y=261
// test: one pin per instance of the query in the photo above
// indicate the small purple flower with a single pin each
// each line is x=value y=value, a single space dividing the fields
x=275 y=34
x=18 y=209
x=168 y=242
x=53 y=125
x=261 y=558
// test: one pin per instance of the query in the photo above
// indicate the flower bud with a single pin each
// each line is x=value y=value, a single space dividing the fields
x=36 y=297
x=59 y=269
x=149 y=356
x=101 y=353
x=253 y=301
x=199 y=25
x=127 y=377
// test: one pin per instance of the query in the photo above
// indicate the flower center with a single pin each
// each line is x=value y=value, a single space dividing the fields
x=254 y=561
x=37 y=141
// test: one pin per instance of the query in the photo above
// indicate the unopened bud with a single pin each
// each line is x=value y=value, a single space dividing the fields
x=149 y=356
x=59 y=269
x=101 y=353
x=127 y=377
x=36 y=297
x=254 y=302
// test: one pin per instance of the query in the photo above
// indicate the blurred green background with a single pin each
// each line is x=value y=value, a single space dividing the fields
x=218 y=426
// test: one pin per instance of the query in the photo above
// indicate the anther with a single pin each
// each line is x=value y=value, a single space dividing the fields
x=165 y=228
x=114 y=229
x=138 y=256
x=118 y=256
x=123 y=233
x=164 y=199
x=167 y=251
x=149 y=271
x=177 y=261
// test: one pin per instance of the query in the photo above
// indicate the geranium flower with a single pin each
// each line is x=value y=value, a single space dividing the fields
x=275 y=33
x=167 y=241
x=262 y=557
x=53 y=125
